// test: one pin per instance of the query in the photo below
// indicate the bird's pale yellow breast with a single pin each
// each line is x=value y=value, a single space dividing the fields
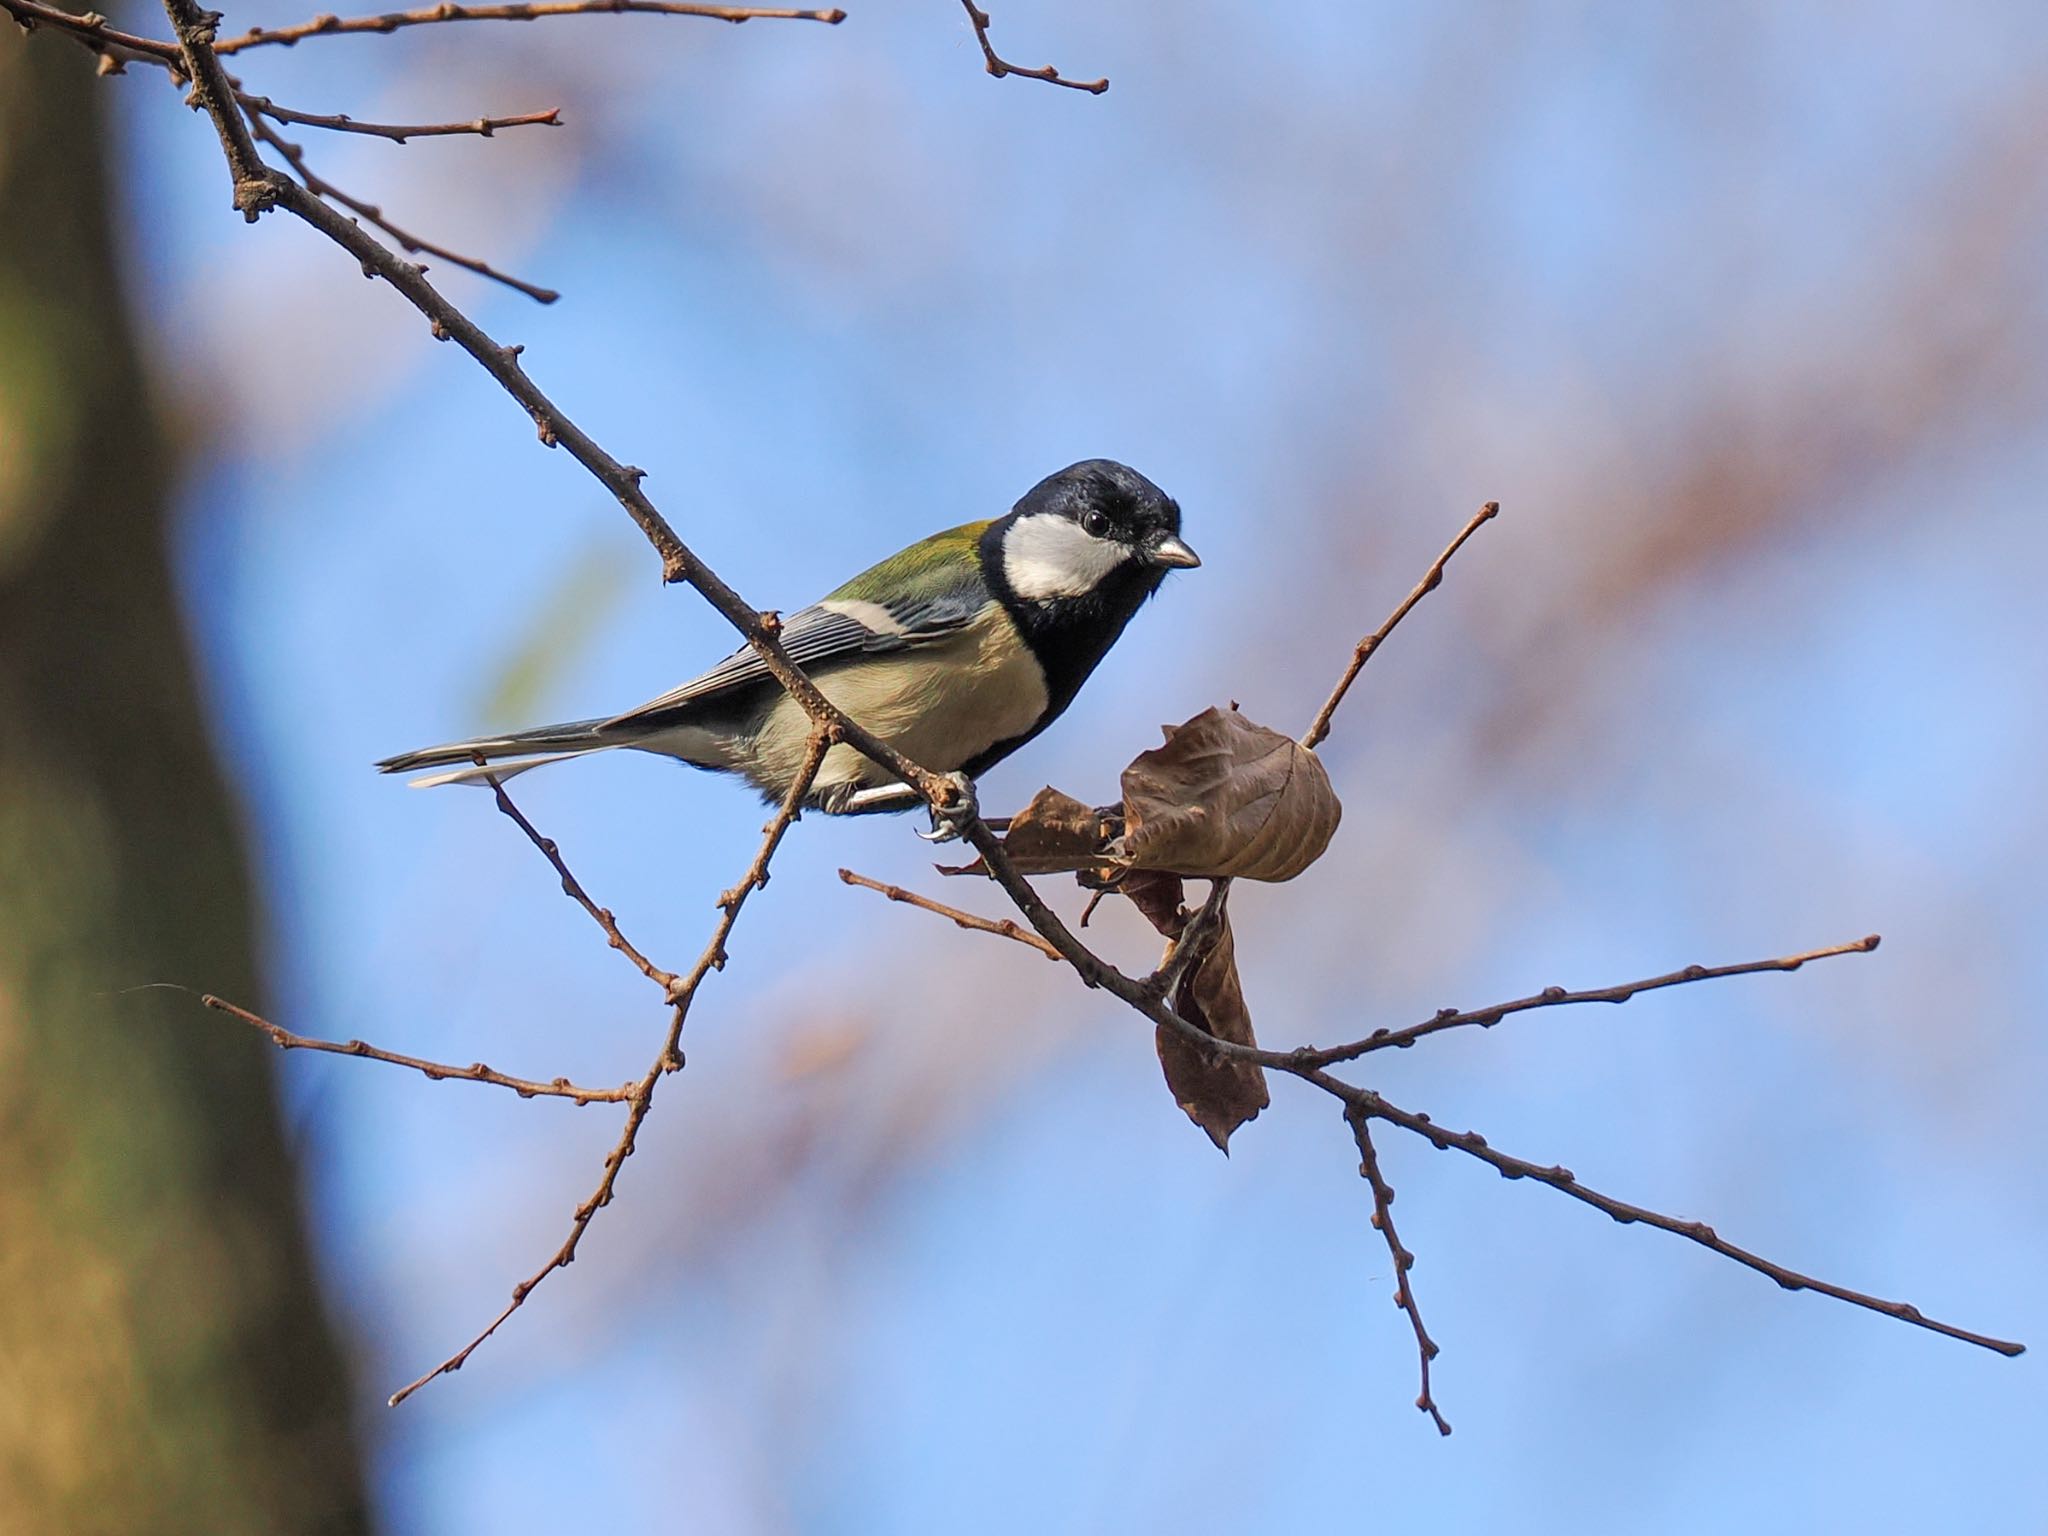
x=940 y=704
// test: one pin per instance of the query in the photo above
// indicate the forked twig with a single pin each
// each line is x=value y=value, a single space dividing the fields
x=1472 y=1144
x=413 y=244
x=641 y=1100
x=1100 y=973
x=92 y=29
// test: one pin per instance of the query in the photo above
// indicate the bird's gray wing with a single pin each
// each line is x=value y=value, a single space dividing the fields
x=827 y=631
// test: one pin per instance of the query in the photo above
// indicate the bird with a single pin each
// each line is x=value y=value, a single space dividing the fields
x=956 y=651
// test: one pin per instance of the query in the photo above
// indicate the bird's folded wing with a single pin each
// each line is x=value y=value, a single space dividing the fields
x=827 y=631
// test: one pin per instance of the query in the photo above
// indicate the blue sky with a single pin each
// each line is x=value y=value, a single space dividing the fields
x=1737 y=313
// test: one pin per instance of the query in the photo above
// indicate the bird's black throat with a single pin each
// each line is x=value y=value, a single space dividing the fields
x=1069 y=636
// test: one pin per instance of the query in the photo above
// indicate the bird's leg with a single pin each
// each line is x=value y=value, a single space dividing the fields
x=882 y=797
x=951 y=824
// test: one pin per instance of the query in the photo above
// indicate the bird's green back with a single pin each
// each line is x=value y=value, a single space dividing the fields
x=928 y=569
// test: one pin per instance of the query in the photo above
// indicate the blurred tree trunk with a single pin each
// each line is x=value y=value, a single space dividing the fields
x=165 y=1360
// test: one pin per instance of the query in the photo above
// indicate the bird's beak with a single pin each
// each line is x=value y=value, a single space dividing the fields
x=1173 y=554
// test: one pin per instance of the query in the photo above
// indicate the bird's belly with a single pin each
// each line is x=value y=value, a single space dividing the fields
x=941 y=705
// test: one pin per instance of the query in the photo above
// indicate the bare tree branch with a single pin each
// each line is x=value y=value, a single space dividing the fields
x=641 y=1097
x=1472 y=1144
x=536 y=10
x=573 y=889
x=526 y=1088
x=1000 y=67
x=116 y=49
x=679 y=562
x=1557 y=997
x=1098 y=972
x=398 y=133
x=1003 y=926
x=215 y=94
x=414 y=244
x=734 y=897
x=91 y=29
x=1404 y=1261
x=1319 y=728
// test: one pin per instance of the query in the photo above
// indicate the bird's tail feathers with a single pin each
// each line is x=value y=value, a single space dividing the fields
x=506 y=755
x=500 y=770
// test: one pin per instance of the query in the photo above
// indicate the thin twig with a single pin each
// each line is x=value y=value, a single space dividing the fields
x=1003 y=926
x=1094 y=970
x=295 y=156
x=117 y=48
x=641 y=1100
x=1320 y=726
x=336 y=26
x=1404 y=1261
x=999 y=67
x=398 y=133
x=526 y=1088
x=91 y=29
x=1558 y=997
x=573 y=888
x=1566 y=1182
x=731 y=900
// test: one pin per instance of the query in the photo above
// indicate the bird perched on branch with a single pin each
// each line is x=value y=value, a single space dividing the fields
x=955 y=651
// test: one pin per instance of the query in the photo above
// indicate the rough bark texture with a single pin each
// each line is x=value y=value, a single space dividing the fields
x=165 y=1362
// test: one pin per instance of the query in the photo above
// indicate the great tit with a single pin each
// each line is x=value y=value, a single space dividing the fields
x=956 y=651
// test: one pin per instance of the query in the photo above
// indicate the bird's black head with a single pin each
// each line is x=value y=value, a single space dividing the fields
x=1077 y=557
x=1095 y=529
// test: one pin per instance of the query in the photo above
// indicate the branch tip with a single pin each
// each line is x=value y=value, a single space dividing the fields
x=998 y=67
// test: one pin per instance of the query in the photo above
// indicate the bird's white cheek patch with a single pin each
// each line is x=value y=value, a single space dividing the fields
x=1047 y=556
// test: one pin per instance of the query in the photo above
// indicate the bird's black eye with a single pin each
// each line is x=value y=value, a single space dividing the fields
x=1095 y=524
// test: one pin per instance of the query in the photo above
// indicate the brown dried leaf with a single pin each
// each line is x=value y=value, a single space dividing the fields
x=1219 y=1096
x=1158 y=896
x=1053 y=834
x=1226 y=797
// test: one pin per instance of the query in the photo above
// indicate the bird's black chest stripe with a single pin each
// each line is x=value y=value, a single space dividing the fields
x=1068 y=635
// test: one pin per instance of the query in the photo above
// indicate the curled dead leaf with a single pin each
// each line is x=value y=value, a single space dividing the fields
x=1054 y=834
x=1226 y=797
x=1218 y=1095
x=1157 y=895
x=1222 y=797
